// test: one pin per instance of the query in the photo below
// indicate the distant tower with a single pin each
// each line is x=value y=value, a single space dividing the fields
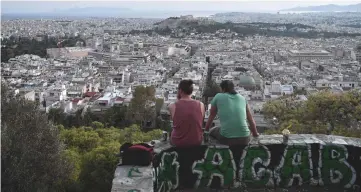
x=44 y=103
x=123 y=77
x=208 y=59
x=358 y=53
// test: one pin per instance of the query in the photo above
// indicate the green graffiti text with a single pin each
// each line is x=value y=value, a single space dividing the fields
x=167 y=178
x=216 y=163
x=296 y=163
x=252 y=155
x=335 y=169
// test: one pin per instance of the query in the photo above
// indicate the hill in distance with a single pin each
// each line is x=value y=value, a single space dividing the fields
x=183 y=22
x=328 y=8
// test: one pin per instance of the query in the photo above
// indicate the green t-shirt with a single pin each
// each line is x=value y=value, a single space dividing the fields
x=232 y=114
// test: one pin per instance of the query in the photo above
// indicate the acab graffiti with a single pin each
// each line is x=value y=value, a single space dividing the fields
x=295 y=166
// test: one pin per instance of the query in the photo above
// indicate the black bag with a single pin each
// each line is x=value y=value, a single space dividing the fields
x=140 y=154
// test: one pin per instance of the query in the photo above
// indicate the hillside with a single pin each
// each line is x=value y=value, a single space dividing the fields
x=179 y=27
x=183 y=22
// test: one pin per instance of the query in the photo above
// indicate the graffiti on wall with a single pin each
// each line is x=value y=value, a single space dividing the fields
x=258 y=166
x=225 y=170
x=167 y=176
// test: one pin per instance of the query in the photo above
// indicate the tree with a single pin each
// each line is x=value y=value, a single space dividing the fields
x=324 y=112
x=299 y=91
x=337 y=110
x=97 y=125
x=57 y=116
x=142 y=105
x=34 y=157
x=211 y=89
x=14 y=47
x=116 y=116
x=89 y=117
x=158 y=105
x=73 y=156
x=98 y=168
x=320 y=68
x=92 y=152
x=31 y=151
x=82 y=139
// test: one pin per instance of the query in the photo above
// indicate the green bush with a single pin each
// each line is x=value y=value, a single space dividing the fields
x=92 y=152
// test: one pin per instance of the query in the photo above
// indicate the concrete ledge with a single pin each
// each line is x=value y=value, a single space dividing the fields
x=278 y=139
x=133 y=179
x=306 y=162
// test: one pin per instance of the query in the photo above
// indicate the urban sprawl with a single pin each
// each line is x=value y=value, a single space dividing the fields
x=280 y=54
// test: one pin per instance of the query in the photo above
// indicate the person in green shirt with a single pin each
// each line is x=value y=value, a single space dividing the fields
x=234 y=113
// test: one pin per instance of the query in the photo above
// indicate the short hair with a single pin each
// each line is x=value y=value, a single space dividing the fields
x=186 y=86
x=228 y=87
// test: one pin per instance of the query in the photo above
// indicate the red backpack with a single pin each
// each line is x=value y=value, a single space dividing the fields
x=140 y=154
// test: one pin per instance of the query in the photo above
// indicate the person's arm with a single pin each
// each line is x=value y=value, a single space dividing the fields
x=211 y=117
x=171 y=109
x=213 y=112
x=202 y=109
x=251 y=122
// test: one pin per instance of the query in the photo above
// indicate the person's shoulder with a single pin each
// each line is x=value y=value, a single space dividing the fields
x=241 y=96
x=219 y=95
x=171 y=105
x=200 y=102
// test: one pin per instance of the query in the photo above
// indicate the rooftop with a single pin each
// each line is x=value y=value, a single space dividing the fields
x=309 y=51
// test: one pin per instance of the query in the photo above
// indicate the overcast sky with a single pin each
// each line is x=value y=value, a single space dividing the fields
x=28 y=6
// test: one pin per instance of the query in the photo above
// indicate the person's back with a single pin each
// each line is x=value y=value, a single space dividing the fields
x=187 y=115
x=232 y=115
x=187 y=123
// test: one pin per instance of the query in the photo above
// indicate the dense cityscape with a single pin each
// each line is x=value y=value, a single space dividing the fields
x=106 y=58
x=106 y=81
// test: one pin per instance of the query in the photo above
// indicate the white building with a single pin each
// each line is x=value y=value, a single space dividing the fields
x=323 y=83
x=309 y=55
x=287 y=89
x=178 y=49
x=276 y=87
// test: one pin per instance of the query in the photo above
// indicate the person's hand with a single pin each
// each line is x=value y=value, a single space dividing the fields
x=255 y=134
x=206 y=128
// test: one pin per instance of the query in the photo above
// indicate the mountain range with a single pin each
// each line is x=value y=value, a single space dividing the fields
x=96 y=11
x=328 y=8
x=131 y=13
x=103 y=12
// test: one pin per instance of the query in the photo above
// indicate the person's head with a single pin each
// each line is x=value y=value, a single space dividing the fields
x=228 y=87
x=185 y=88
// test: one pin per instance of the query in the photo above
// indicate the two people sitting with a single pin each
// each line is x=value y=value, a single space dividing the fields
x=233 y=111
